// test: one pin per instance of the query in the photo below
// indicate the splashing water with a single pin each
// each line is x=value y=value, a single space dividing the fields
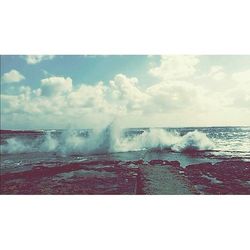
x=161 y=139
x=108 y=140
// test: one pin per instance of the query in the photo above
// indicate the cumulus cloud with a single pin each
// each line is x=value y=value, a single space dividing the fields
x=171 y=97
x=88 y=99
x=9 y=104
x=121 y=96
x=34 y=59
x=242 y=77
x=175 y=99
x=241 y=99
x=12 y=76
x=217 y=73
x=175 y=67
x=124 y=92
x=56 y=85
x=238 y=97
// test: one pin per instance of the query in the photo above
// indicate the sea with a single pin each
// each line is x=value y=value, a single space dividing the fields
x=114 y=160
x=21 y=150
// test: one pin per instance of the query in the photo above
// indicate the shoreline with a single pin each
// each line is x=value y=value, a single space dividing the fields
x=130 y=177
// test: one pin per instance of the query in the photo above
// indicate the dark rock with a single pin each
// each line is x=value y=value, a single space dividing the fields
x=164 y=163
x=226 y=177
x=155 y=162
x=174 y=163
x=139 y=162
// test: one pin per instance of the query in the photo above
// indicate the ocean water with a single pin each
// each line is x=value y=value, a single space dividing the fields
x=23 y=149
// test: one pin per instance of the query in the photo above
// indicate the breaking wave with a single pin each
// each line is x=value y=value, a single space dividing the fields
x=109 y=140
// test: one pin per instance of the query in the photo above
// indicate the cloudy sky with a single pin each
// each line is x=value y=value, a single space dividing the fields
x=139 y=91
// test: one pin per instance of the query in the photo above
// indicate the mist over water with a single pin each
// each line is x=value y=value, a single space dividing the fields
x=112 y=139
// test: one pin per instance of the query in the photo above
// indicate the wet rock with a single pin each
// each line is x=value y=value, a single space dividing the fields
x=155 y=162
x=173 y=163
x=232 y=177
x=164 y=163
x=139 y=162
x=200 y=167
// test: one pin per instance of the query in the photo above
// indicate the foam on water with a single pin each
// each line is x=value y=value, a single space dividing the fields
x=107 y=140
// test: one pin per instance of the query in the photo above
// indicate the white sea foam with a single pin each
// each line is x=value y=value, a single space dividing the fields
x=109 y=139
x=161 y=139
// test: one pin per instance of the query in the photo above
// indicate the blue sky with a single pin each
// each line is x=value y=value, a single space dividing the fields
x=139 y=91
x=82 y=69
x=91 y=69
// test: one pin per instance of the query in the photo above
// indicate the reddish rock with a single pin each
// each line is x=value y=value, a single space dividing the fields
x=165 y=163
x=155 y=162
x=226 y=177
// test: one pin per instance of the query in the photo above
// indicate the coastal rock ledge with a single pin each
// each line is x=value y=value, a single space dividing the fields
x=129 y=177
x=226 y=177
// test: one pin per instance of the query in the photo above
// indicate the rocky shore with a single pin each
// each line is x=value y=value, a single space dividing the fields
x=130 y=177
x=226 y=177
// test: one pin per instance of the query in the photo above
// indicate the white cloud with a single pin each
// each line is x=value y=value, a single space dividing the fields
x=171 y=101
x=37 y=92
x=121 y=97
x=34 y=59
x=175 y=67
x=88 y=98
x=241 y=99
x=56 y=85
x=242 y=77
x=124 y=92
x=238 y=95
x=9 y=104
x=217 y=73
x=171 y=97
x=12 y=76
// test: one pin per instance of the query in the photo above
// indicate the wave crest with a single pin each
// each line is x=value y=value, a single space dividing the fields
x=111 y=139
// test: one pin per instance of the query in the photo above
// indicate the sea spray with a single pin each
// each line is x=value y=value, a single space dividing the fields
x=108 y=140
x=152 y=139
x=49 y=144
x=161 y=139
x=16 y=145
x=194 y=140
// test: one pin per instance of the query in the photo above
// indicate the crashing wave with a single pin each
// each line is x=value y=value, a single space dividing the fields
x=109 y=140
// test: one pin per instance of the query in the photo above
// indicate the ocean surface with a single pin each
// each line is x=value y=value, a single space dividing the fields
x=21 y=149
x=105 y=160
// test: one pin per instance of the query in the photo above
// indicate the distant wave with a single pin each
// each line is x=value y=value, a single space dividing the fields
x=108 y=140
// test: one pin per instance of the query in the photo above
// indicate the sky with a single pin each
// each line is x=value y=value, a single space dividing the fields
x=84 y=91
